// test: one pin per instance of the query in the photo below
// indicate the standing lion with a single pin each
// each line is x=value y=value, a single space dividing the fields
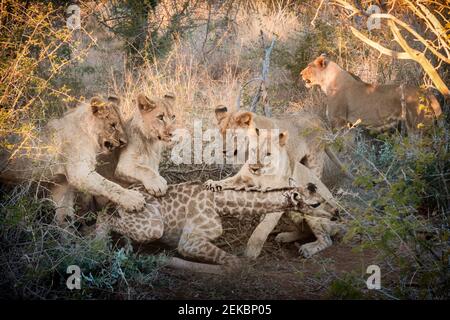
x=379 y=107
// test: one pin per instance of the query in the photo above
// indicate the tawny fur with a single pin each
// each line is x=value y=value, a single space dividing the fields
x=65 y=153
x=272 y=172
x=305 y=130
x=378 y=106
x=149 y=130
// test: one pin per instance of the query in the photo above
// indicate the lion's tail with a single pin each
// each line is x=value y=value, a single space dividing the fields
x=338 y=162
x=434 y=103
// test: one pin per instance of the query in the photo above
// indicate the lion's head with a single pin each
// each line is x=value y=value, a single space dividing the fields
x=306 y=196
x=239 y=126
x=268 y=153
x=111 y=133
x=315 y=72
x=158 y=117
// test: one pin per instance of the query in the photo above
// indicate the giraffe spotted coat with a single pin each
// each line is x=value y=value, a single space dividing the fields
x=189 y=217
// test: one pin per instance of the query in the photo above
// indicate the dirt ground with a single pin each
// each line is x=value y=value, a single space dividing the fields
x=278 y=273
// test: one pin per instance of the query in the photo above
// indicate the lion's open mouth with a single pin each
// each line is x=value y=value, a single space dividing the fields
x=108 y=145
x=164 y=138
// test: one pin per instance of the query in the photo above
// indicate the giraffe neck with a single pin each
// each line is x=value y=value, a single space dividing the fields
x=242 y=203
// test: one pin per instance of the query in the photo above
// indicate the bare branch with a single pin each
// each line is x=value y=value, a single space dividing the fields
x=414 y=33
x=420 y=58
x=379 y=47
x=262 y=93
x=317 y=13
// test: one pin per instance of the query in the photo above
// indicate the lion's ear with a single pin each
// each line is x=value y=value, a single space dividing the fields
x=244 y=119
x=98 y=106
x=322 y=61
x=221 y=112
x=114 y=99
x=145 y=104
x=283 y=138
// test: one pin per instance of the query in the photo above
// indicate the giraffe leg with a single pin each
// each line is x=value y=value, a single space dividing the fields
x=260 y=234
x=199 y=247
x=143 y=226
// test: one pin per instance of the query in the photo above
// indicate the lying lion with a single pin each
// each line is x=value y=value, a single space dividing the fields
x=380 y=107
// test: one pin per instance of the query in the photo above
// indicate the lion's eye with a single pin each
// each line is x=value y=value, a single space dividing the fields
x=161 y=117
x=173 y=117
x=113 y=125
x=268 y=154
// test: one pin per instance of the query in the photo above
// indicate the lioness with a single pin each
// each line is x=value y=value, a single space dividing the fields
x=305 y=145
x=65 y=154
x=149 y=129
x=272 y=170
x=267 y=167
x=379 y=107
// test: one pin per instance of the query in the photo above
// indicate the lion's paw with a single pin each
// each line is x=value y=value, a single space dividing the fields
x=132 y=200
x=286 y=237
x=309 y=249
x=156 y=187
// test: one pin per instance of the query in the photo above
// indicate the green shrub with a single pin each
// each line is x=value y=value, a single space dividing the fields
x=35 y=254
x=404 y=208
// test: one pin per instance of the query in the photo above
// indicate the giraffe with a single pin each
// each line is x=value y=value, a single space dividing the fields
x=188 y=217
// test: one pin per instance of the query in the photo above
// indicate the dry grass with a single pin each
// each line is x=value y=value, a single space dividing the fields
x=205 y=70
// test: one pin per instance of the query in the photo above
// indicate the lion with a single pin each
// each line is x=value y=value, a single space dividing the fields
x=379 y=107
x=267 y=168
x=65 y=155
x=305 y=145
x=270 y=169
x=150 y=129
x=306 y=153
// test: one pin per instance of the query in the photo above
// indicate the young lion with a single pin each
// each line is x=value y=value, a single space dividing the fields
x=272 y=170
x=379 y=107
x=65 y=154
x=149 y=129
x=267 y=167
x=306 y=154
x=305 y=129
